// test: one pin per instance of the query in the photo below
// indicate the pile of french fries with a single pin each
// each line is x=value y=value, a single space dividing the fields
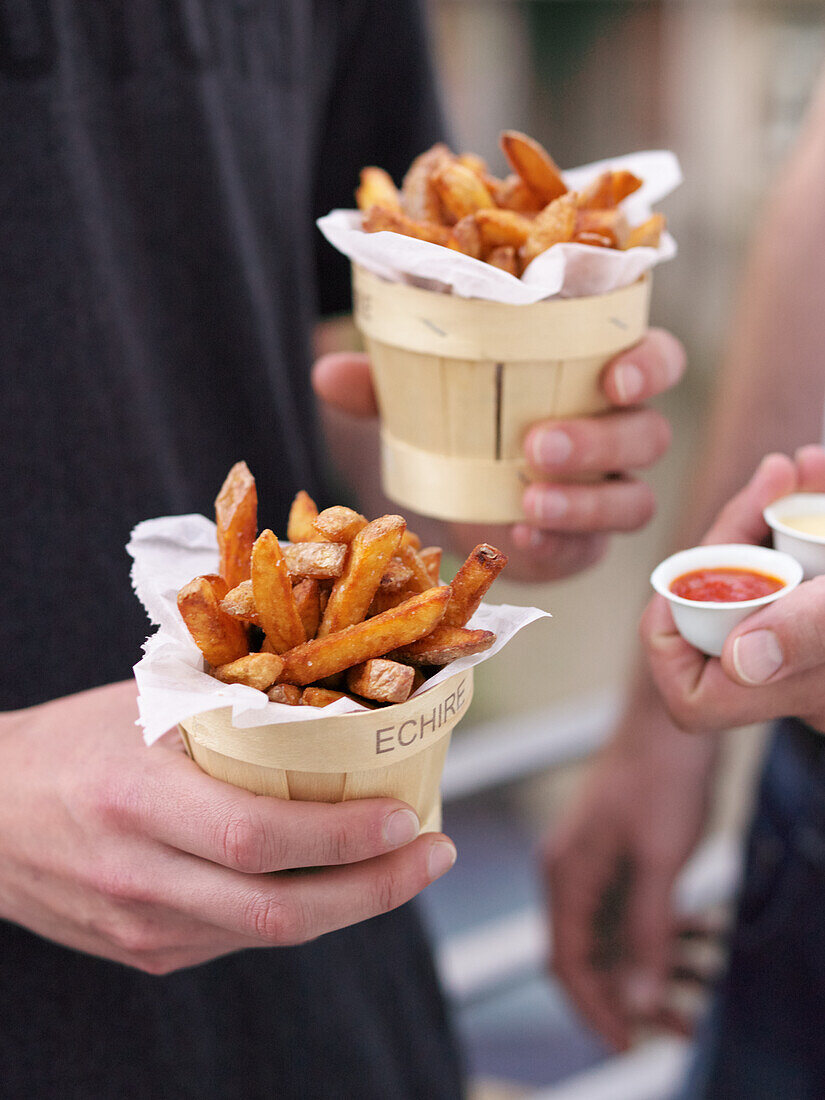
x=348 y=608
x=454 y=201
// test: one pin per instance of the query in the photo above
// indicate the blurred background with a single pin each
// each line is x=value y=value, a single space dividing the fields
x=724 y=83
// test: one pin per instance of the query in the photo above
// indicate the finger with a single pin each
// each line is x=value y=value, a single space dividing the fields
x=781 y=640
x=650 y=935
x=741 y=520
x=183 y=807
x=810 y=465
x=616 y=441
x=538 y=555
x=343 y=380
x=652 y=366
x=620 y=505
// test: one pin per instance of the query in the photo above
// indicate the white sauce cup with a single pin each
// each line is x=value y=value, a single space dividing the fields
x=809 y=550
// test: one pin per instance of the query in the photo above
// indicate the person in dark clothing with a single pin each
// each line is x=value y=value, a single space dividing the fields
x=162 y=165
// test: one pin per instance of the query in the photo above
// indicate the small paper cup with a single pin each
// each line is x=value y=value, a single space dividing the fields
x=706 y=625
x=390 y=752
x=459 y=381
x=809 y=550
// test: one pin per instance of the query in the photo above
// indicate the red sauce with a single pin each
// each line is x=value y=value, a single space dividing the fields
x=725 y=585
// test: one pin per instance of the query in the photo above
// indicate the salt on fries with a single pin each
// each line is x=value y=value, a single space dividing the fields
x=349 y=609
x=455 y=202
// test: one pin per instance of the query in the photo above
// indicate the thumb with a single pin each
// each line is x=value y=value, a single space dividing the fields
x=785 y=638
x=343 y=381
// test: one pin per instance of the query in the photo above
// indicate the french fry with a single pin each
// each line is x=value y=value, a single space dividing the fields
x=606 y=223
x=502 y=227
x=382 y=680
x=411 y=539
x=236 y=515
x=504 y=257
x=412 y=559
x=240 y=603
x=385 y=599
x=533 y=164
x=474 y=162
x=377 y=189
x=369 y=554
x=288 y=694
x=513 y=193
x=320 y=697
x=554 y=225
x=648 y=234
x=379 y=219
x=595 y=240
x=307 y=594
x=339 y=524
x=322 y=561
x=396 y=576
x=375 y=637
x=272 y=591
x=483 y=565
x=218 y=636
x=419 y=199
x=460 y=190
x=608 y=190
x=302 y=515
x=256 y=670
x=466 y=237
x=445 y=644
x=431 y=557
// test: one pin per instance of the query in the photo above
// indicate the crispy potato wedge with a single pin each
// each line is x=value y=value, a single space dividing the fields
x=431 y=558
x=321 y=697
x=218 y=636
x=419 y=199
x=385 y=599
x=256 y=670
x=375 y=637
x=445 y=644
x=502 y=227
x=339 y=524
x=554 y=225
x=504 y=257
x=272 y=592
x=608 y=190
x=377 y=189
x=412 y=559
x=236 y=515
x=460 y=190
x=411 y=539
x=466 y=237
x=606 y=223
x=302 y=515
x=382 y=680
x=369 y=555
x=396 y=576
x=595 y=240
x=512 y=193
x=288 y=694
x=322 y=561
x=483 y=565
x=307 y=595
x=533 y=164
x=378 y=219
x=240 y=603
x=474 y=162
x=648 y=234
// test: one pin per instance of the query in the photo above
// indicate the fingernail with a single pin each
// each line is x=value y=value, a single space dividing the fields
x=641 y=993
x=400 y=827
x=757 y=656
x=550 y=448
x=527 y=538
x=629 y=382
x=441 y=858
x=547 y=504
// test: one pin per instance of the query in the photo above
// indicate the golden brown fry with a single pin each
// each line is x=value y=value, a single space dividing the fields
x=369 y=554
x=396 y=576
x=307 y=595
x=513 y=193
x=339 y=524
x=418 y=679
x=605 y=223
x=385 y=599
x=288 y=694
x=554 y=225
x=648 y=234
x=272 y=590
x=382 y=680
x=377 y=189
x=321 y=697
x=419 y=198
x=322 y=561
x=218 y=636
x=445 y=644
x=378 y=220
x=240 y=603
x=504 y=257
x=595 y=240
x=236 y=515
x=412 y=559
x=533 y=164
x=431 y=557
x=474 y=162
x=256 y=670
x=301 y=517
x=608 y=190
x=466 y=237
x=391 y=630
x=502 y=227
x=460 y=190
x=411 y=539
x=483 y=565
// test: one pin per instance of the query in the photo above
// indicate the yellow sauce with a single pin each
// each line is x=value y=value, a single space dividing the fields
x=808 y=525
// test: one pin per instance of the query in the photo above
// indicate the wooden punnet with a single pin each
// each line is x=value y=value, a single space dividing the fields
x=394 y=752
x=459 y=381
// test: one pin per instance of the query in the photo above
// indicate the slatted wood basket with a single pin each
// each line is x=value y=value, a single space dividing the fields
x=459 y=381
x=393 y=752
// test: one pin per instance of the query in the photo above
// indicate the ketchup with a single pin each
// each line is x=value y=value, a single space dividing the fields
x=723 y=585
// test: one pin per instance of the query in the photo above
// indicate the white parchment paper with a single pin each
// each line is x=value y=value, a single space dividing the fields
x=171 y=679
x=565 y=270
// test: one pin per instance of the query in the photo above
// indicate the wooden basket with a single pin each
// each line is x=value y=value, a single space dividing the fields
x=459 y=381
x=394 y=752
